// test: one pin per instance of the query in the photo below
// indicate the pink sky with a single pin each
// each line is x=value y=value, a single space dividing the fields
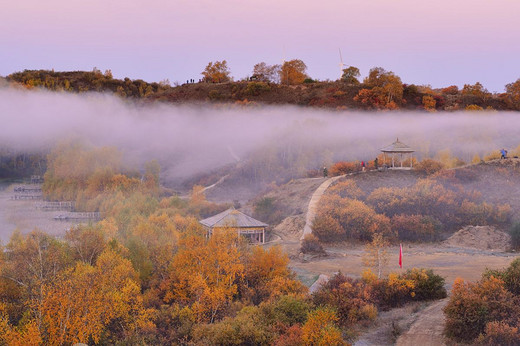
x=425 y=42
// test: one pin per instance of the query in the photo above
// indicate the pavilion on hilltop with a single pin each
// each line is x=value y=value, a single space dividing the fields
x=398 y=152
x=245 y=225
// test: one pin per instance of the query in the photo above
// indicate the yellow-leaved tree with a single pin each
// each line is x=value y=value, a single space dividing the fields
x=376 y=255
x=84 y=300
x=321 y=328
x=205 y=272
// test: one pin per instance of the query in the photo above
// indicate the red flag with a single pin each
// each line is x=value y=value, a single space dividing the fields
x=400 y=255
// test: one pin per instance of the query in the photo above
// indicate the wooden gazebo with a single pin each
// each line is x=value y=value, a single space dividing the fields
x=245 y=225
x=400 y=151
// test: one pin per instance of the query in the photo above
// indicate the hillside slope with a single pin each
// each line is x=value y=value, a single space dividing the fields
x=326 y=94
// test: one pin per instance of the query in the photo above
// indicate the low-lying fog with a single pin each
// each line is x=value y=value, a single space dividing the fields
x=190 y=140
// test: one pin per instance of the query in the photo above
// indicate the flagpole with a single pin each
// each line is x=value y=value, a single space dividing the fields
x=400 y=256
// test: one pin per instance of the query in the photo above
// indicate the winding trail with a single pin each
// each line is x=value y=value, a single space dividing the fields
x=313 y=204
x=427 y=330
x=215 y=184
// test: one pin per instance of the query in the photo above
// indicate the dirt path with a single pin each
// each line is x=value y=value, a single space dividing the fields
x=427 y=329
x=313 y=204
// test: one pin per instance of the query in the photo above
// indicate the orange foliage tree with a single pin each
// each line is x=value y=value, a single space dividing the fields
x=513 y=94
x=293 y=72
x=216 y=72
x=343 y=167
x=429 y=103
x=83 y=300
x=267 y=275
x=204 y=273
x=385 y=90
x=28 y=334
x=472 y=306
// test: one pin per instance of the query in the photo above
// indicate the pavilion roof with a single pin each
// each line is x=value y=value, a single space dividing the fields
x=397 y=147
x=232 y=218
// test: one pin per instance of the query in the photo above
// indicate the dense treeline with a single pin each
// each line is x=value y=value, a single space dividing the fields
x=289 y=84
x=148 y=274
x=423 y=212
x=83 y=81
x=15 y=165
x=486 y=312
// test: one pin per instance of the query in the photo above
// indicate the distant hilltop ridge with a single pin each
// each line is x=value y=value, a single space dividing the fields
x=382 y=90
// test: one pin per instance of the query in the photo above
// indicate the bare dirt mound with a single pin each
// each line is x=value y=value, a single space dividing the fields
x=480 y=238
x=291 y=227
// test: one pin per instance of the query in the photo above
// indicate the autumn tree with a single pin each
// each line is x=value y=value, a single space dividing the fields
x=350 y=298
x=321 y=328
x=151 y=243
x=473 y=108
x=266 y=73
x=376 y=255
x=385 y=89
x=84 y=301
x=350 y=75
x=268 y=276
x=513 y=94
x=26 y=334
x=476 y=90
x=87 y=242
x=429 y=103
x=204 y=273
x=473 y=305
x=77 y=173
x=151 y=177
x=31 y=262
x=217 y=72
x=293 y=72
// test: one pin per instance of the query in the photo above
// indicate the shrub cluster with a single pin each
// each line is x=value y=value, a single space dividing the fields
x=345 y=218
x=429 y=166
x=311 y=245
x=358 y=300
x=417 y=213
x=486 y=312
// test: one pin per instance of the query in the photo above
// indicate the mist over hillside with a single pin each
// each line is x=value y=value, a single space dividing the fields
x=190 y=140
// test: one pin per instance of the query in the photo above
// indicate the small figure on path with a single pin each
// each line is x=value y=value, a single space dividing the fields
x=325 y=172
x=376 y=163
x=503 y=152
x=362 y=166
